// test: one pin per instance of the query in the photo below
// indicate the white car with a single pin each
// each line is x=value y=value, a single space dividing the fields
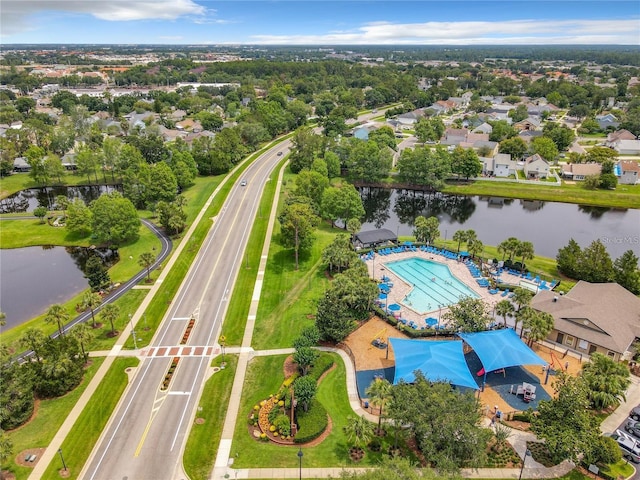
x=243 y=183
x=628 y=445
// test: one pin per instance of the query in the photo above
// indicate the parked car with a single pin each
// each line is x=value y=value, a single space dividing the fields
x=628 y=446
x=635 y=413
x=633 y=427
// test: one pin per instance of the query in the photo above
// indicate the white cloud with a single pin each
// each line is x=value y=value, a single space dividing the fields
x=474 y=33
x=16 y=14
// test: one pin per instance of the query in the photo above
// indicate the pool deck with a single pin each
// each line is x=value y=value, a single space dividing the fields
x=377 y=269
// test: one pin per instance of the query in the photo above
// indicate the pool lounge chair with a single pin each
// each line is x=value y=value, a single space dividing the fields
x=505 y=293
x=493 y=291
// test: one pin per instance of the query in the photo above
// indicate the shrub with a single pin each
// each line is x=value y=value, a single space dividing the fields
x=273 y=414
x=311 y=424
x=323 y=363
x=607 y=451
x=283 y=425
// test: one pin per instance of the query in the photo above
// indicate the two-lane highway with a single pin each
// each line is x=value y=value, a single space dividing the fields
x=145 y=436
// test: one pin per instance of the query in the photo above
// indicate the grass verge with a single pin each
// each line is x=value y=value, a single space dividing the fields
x=48 y=418
x=87 y=429
x=204 y=438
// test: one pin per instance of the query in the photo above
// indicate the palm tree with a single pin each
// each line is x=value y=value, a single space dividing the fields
x=501 y=434
x=145 y=260
x=525 y=251
x=504 y=308
x=538 y=326
x=34 y=339
x=521 y=297
x=460 y=236
x=359 y=431
x=91 y=301
x=606 y=380
x=110 y=313
x=379 y=393
x=475 y=247
x=83 y=333
x=57 y=314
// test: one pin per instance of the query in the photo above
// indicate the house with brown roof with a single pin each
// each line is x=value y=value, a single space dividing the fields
x=528 y=123
x=536 y=167
x=629 y=172
x=593 y=317
x=580 y=171
x=623 y=134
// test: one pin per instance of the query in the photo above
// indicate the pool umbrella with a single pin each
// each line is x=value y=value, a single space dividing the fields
x=394 y=307
x=431 y=321
x=382 y=296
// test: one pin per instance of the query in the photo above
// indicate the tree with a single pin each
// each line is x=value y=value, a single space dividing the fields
x=379 y=393
x=391 y=468
x=58 y=315
x=91 y=301
x=368 y=162
x=145 y=260
x=475 y=248
x=595 y=265
x=163 y=185
x=515 y=146
x=545 y=147
x=304 y=389
x=40 y=212
x=110 y=313
x=519 y=113
x=626 y=273
x=468 y=315
x=525 y=251
x=83 y=333
x=333 y=164
x=341 y=203
x=509 y=247
x=608 y=181
x=505 y=308
x=568 y=429
x=96 y=273
x=568 y=257
x=309 y=337
x=522 y=298
x=606 y=381
x=425 y=167
x=465 y=163
x=538 y=325
x=359 y=431
x=6 y=450
x=312 y=185
x=297 y=227
x=332 y=319
x=35 y=158
x=339 y=253
x=115 y=219
x=563 y=137
x=305 y=358
x=172 y=217
x=591 y=182
x=426 y=229
x=460 y=236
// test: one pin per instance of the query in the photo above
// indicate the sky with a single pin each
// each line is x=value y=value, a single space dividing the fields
x=316 y=22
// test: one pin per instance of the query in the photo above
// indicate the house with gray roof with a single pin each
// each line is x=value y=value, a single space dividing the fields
x=607 y=121
x=593 y=317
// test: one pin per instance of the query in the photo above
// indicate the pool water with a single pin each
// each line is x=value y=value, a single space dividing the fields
x=433 y=283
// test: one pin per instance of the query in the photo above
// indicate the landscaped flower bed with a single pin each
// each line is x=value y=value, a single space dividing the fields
x=187 y=332
x=167 y=378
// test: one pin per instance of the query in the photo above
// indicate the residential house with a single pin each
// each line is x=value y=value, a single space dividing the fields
x=536 y=167
x=189 y=124
x=454 y=136
x=577 y=148
x=483 y=128
x=623 y=134
x=499 y=165
x=629 y=172
x=20 y=165
x=580 y=171
x=627 y=147
x=529 y=123
x=593 y=317
x=69 y=161
x=608 y=121
x=409 y=118
x=528 y=135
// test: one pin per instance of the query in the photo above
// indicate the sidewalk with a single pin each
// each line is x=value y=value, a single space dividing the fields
x=613 y=421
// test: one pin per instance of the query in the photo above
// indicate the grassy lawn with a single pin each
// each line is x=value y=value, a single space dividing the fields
x=87 y=429
x=617 y=470
x=264 y=377
x=42 y=428
x=204 y=438
x=624 y=196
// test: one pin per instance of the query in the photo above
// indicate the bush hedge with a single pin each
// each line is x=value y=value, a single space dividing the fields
x=311 y=424
x=323 y=363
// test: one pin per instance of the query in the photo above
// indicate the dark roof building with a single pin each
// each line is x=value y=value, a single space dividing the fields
x=373 y=238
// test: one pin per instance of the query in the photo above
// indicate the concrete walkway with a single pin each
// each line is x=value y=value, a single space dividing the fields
x=632 y=395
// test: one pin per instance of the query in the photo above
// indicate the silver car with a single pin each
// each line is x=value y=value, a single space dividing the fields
x=628 y=445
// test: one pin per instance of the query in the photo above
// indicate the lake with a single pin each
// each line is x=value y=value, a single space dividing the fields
x=27 y=200
x=548 y=225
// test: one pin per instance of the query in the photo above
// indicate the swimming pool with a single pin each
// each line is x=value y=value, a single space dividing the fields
x=433 y=284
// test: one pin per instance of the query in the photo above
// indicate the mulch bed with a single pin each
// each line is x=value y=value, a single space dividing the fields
x=25 y=453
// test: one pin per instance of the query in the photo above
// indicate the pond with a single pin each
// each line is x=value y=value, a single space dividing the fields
x=27 y=200
x=34 y=278
x=548 y=225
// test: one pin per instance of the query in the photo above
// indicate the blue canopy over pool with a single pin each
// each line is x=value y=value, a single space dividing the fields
x=501 y=349
x=439 y=361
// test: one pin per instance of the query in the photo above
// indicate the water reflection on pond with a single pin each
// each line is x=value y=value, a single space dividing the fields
x=27 y=200
x=34 y=278
x=549 y=225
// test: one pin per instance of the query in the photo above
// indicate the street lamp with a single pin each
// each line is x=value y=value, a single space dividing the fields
x=133 y=333
x=64 y=465
x=300 y=455
x=526 y=454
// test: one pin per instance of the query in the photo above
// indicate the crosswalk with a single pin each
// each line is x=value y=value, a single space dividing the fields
x=179 y=351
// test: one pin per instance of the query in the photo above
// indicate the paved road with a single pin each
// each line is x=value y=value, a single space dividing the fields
x=145 y=436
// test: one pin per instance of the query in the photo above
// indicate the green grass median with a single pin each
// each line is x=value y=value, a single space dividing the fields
x=204 y=437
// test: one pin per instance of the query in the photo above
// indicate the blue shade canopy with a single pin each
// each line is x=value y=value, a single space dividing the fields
x=441 y=361
x=501 y=349
x=394 y=307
